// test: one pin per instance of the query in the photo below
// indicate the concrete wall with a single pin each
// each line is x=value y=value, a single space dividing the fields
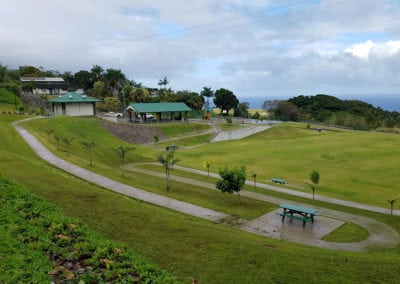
x=75 y=109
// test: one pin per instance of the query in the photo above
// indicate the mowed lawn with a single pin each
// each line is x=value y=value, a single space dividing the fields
x=356 y=166
x=185 y=246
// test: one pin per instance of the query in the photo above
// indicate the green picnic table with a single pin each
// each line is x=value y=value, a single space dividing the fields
x=297 y=212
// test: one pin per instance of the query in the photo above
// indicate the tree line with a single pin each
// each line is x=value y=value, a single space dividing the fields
x=117 y=91
x=330 y=110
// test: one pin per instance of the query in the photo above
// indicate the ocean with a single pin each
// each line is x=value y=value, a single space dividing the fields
x=391 y=103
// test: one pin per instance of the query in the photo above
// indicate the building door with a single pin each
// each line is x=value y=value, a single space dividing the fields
x=64 y=110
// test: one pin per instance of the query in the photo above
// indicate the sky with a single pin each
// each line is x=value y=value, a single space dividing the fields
x=267 y=49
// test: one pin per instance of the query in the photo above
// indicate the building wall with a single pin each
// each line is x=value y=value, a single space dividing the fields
x=75 y=109
x=54 y=91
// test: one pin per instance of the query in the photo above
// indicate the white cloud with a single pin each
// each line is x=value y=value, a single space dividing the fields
x=253 y=48
x=369 y=48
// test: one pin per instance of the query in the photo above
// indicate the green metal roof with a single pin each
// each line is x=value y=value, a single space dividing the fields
x=73 y=97
x=158 y=107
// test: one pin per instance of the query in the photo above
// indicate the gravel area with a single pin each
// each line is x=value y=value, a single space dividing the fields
x=133 y=133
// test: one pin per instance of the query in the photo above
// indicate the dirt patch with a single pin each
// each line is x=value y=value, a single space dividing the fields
x=133 y=133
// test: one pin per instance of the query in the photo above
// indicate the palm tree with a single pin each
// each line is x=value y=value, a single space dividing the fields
x=122 y=153
x=67 y=141
x=164 y=82
x=114 y=80
x=90 y=146
x=168 y=161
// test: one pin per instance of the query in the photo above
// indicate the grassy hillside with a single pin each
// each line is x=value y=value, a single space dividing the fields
x=50 y=247
x=184 y=246
x=8 y=101
x=356 y=166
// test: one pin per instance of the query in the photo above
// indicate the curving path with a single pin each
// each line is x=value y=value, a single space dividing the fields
x=380 y=235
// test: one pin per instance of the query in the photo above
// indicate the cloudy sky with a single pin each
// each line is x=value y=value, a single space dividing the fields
x=258 y=48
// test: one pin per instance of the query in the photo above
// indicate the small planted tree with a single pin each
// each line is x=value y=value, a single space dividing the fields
x=232 y=180
x=122 y=153
x=314 y=178
x=391 y=201
x=156 y=138
x=89 y=146
x=207 y=164
x=58 y=140
x=254 y=176
x=168 y=160
x=67 y=141
x=49 y=131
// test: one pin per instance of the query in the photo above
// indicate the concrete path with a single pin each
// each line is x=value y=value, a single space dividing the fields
x=239 y=133
x=270 y=224
x=303 y=194
x=115 y=186
x=381 y=235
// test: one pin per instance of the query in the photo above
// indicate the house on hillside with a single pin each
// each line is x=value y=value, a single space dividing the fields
x=74 y=104
x=162 y=111
x=45 y=85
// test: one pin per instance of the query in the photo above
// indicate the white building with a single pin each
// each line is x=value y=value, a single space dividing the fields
x=46 y=85
x=74 y=104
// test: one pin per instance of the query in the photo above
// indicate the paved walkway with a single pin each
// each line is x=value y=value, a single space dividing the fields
x=116 y=186
x=380 y=235
x=239 y=133
x=303 y=194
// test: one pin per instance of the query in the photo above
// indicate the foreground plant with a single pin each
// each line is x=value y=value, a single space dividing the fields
x=39 y=245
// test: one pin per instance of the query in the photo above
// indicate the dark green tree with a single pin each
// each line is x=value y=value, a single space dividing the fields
x=97 y=73
x=114 y=79
x=242 y=110
x=168 y=160
x=232 y=180
x=192 y=99
x=225 y=100
x=287 y=111
x=83 y=79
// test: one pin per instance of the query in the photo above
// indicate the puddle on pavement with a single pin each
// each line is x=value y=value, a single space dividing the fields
x=271 y=225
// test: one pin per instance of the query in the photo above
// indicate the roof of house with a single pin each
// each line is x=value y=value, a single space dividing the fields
x=158 y=107
x=73 y=97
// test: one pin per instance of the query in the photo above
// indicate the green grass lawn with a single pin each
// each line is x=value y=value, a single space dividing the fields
x=356 y=166
x=186 y=141
x=183 y=245
x=173 y=130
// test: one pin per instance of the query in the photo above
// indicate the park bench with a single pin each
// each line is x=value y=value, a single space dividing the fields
x=278 y=180
x=297 y=212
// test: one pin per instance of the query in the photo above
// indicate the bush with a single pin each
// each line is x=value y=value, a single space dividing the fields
x=229 y=120
x=39 y=245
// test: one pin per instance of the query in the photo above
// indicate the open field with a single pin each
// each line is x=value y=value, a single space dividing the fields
x=185 y=246
x=355 y=166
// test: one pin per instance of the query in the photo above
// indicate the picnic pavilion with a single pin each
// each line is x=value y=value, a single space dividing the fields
x=162 y=111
